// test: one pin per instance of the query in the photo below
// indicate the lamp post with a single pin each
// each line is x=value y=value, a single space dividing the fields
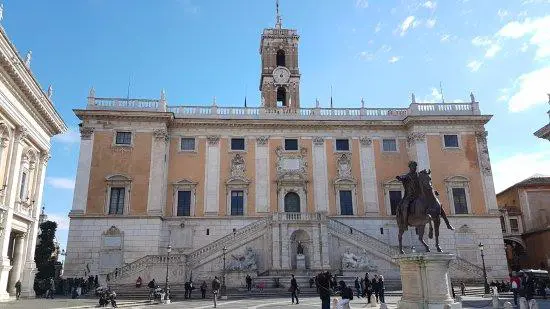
x=485 y=283
x=223 y=274
x=166 y=292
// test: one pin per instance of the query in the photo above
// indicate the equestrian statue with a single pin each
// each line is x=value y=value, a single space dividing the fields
x=420 y=206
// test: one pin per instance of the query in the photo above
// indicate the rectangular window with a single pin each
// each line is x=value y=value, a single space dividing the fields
x=389 y=145
x=502 y=225
x=184 y=203
x=395 y=200
x=123 y=138
x=342 y=145
x=187 y=144
x=237 y=144
x=237 y=203
x=459 y=198
x=116 y=205
x=514 y=227
x=451 y=141
x=23 y=187
x=346 y=204
x=291 y=144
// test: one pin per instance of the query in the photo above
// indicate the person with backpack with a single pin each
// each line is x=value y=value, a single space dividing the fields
x=215 y=289
x=347 y=295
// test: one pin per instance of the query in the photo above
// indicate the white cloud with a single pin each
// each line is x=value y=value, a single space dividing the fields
x=430 y=5
x=72 y=136
x=445 y=38
x=502 y=13
x=363 y=4
x=430 y=23
x=406 y=24
x=528 y=164
x=369 y=56
x=474 y=65
x=378 y=27
x=524 y=47
x=535 y=29
x=394 y=59
x=481 y=41
x=492 y=51
x=60 y=182
x=530 y=90
x=365 y=55
x=61 y=220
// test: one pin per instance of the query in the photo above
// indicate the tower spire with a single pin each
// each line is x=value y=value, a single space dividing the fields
x=278 y=22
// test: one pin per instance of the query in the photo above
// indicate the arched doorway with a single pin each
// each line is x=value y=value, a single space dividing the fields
x=515 y=254
x=292 y=202
x=300 y=237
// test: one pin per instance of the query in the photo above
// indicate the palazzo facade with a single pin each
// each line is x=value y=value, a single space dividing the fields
x=212 y=180
x=28 y=120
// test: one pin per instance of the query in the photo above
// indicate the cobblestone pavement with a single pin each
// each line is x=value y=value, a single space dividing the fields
x=252 y=303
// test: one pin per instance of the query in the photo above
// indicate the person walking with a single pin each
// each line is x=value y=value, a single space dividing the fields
x=463 y=289
x=152 y=285
x=381 y=289
x=357 y=287
x=374 y=284
x=346 y=293
x=18 y=289
x=215 y=290
x=203 y=289
x=311 y=282
x=248 y=283
x=368 y=288
x=293 y=289
x=322 y=281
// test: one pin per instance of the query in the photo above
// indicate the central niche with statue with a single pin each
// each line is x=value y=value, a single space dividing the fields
x=300 y=250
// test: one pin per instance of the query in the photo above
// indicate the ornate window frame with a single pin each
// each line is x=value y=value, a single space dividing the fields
x=118 y=181
x=458 y=181
x=28 y=164
x=237 y=181
x=391 y=185
x=444 y=147
x=297 y=138
x=132 y=138
x=350 y=145
x=345 y=180
x=231 y=150
x=184 y=185
x=284 y=190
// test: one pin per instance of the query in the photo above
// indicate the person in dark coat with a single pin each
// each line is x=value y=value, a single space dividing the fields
x=311 y=282
x=203 y=289
x=381 y=289
x=357 y=287
x=322 y=281
x=374 y=284
x=293 y=289
x=368 y=288
x=248 y=283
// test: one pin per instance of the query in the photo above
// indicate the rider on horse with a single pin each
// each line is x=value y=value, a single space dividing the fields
x=412 y=191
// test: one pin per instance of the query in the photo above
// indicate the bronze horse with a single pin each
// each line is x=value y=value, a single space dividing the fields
x=424 y=209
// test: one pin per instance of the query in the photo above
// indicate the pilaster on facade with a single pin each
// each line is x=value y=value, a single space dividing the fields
x=156 y=197
x=212 y=179
x=368 y=176
x=262 y=174
x=419 y=149
x=486 y=173
x=80 y=197
x=320 y=174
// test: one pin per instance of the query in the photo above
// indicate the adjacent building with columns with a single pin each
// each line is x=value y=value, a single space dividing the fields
x=254 y=182
x=28 y=120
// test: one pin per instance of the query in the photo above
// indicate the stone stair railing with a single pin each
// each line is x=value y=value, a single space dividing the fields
x=390 y=252
x=214 y=248
x=144 y=262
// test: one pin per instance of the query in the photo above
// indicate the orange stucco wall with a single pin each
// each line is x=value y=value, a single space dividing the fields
x=509 y=198
x=463 y=162
x=388 y=165
x=538 y=248
x=109 y=160
x=186 y=165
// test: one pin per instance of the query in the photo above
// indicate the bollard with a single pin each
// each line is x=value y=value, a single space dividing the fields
x=507 y=305
x=533 y=304
x=523 y=303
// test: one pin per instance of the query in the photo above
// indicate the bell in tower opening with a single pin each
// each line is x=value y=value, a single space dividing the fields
x=280 y=76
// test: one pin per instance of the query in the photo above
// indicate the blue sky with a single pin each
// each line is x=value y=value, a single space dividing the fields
x=379 y=50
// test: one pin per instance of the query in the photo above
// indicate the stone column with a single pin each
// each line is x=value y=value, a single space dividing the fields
x=285 y=247
x=325 y=256
x=368 y=177
x=157 y=175
x=486 y=173
x=212 y=179
x=419 y=149
x=18 y=254
x=11 y=195
x=316 y=252
x=320 y=177
x=80 y=197
x=262 y=175
x=29 y=271
x=276 y=240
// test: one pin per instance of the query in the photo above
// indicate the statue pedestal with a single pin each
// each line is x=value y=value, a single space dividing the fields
x=425 y=281
x=300 y=261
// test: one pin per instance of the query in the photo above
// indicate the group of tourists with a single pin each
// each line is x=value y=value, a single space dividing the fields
x=367 y=287
x=525 y=285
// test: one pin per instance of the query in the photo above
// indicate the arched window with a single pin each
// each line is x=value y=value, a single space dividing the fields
x=281 y=58
x=281 y=97
x=292 y=202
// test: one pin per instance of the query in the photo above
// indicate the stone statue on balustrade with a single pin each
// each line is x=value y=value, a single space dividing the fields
x=352 y=262
x=419 y=206
x=245 y=262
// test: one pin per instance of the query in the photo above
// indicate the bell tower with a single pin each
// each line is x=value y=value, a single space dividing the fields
x=280 y=77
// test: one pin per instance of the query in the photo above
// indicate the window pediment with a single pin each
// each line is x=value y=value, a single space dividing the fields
x=457 y=179
x=118 y=178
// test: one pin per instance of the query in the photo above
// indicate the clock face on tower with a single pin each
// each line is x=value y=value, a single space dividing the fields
x=281 y=75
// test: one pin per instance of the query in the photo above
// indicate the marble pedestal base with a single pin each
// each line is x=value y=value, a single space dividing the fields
x=425 y=281
x=300 y=261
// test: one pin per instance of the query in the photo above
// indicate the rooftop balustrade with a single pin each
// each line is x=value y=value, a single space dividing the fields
x=222 y=112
